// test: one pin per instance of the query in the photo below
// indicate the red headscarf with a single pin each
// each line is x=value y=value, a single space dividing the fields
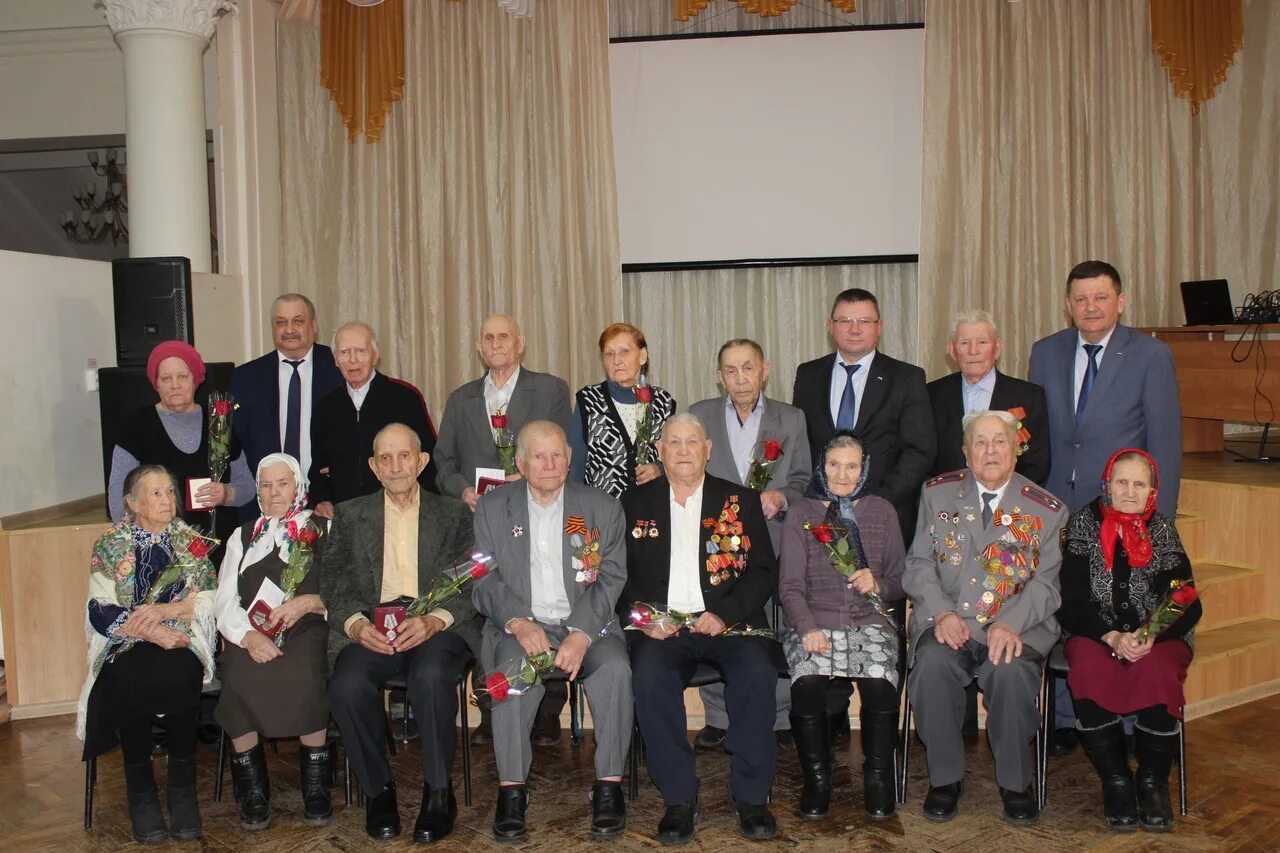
x=1129 y=527
x=176 y=349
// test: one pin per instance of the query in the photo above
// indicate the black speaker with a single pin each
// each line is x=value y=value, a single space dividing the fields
x=124 y=390
x=152 y=299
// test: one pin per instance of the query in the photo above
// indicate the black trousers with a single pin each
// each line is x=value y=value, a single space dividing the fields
x=809 y=694
x=1154 y=719
x=660 y=671
x=431 y=673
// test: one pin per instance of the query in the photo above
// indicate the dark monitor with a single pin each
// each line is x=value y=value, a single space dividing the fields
x=152 y=299
x=1208 y=303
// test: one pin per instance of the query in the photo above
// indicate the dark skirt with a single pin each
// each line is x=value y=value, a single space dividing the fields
x=142 y=682
x=285 y=697
x=1122 y=687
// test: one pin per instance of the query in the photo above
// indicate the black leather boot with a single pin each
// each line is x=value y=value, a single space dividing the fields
x=813 y=746
x=879 y=733
x=144 y=804
x=315 y=768
x=252 y=789
x=1155 y=757
x=436 y=816
x=508 y=817
x=1106 y=749
x=184 y=805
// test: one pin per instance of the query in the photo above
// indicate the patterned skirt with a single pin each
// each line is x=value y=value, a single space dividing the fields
x=870 y=651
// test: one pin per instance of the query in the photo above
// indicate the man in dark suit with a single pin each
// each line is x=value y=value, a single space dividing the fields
x=1107 y=387
x=739 y=425
x=978 y=386
x=881 y=399
x=279 y=392
x=388 y=547
x=347 y=419
x=699 y=545
x=560 y=550
x=467 y=440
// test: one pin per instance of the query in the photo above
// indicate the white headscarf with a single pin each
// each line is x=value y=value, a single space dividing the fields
x=272 y=534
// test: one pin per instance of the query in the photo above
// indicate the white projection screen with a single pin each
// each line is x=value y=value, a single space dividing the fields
x=790 y=146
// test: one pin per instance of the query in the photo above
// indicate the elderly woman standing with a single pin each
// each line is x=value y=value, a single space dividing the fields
x=618 y=421
x=175 y=433
x=1119 y=562
x=270 y=689
x=151 y=635
x=836 y=631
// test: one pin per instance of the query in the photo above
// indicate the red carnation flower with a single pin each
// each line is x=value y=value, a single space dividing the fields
x=198 y=548
x=498 y=421
x=641 y=616
x=1184 y=595
x=497 y=686
x=644 y=394
x=222 y=408
x=824 y=534
x=479 y=570
x=308 y=535
x=293 y=530
x=772 y=450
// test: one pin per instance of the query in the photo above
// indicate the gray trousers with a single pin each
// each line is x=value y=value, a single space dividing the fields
x=605 y=676
x=937 y=682
x=717 y=714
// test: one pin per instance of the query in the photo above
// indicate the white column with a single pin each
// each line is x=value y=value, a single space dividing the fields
x=163 y=42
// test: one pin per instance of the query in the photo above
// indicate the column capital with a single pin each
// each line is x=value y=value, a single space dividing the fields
x=193 y=17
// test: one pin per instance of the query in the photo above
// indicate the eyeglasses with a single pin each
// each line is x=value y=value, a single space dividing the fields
x=860 y=322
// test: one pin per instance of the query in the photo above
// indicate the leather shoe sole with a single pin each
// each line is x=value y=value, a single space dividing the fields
x=709 y=738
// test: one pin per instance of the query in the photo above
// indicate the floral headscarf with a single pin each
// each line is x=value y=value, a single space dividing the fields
x=277 y=529
x=1130 y=528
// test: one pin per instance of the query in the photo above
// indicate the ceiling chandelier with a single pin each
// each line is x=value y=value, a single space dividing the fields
x=98 y=219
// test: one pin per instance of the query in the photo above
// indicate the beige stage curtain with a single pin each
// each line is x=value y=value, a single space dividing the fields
x=362 y=62
x=491 y=190
x=1052 y=136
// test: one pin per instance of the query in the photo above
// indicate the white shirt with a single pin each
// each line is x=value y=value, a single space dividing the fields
x=977 y=397
x=839 y=378
x=995 y=502
x=498 y=399
x=743 y=435
x=1082 y=362
x=305 y=371
x=547 y=597
x=684 y=586
x=357 y=395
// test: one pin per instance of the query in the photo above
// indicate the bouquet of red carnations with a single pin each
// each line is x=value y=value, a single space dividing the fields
x=1181 y=595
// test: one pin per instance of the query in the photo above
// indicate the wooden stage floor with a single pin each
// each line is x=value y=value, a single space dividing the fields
x=1234 y=802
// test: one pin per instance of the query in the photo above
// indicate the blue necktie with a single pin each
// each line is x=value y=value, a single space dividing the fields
x=293 y=414
x=1090 y=373
x=848 y=414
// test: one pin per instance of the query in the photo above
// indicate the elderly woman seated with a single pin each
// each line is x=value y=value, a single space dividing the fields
x=836 y=630
x=151 y=635
x=274 y=667
x=1120 y=559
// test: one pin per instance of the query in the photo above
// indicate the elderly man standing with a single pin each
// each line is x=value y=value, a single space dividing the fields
x=700 y=545
x=560 y=551
x=982 y=574
x=749 y=432
x=388 y=547
x=978 y=386
x=347 y=419
x=279 y=392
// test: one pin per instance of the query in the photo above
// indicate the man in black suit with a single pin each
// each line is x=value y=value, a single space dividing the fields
x=279 y=392
x=881 y=399
x=348 y=418
x=978 y=386
x=699 y=544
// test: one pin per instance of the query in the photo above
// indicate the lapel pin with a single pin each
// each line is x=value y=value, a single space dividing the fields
x=517 y=531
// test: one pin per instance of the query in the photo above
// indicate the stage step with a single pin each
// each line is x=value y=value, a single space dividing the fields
x=1232 y=659
x=1230 y=593
x=1191 y=532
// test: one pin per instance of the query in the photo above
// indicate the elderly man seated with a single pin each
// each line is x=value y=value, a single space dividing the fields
x=559 y=552
x=388 y=547
x=982 y=574
x=699 y=545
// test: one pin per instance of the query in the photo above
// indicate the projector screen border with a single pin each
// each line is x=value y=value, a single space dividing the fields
x=750 y=263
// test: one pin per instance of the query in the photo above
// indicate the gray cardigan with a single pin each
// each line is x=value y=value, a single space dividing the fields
x=813 y=593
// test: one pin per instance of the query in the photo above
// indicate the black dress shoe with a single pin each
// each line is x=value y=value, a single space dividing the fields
x=942 y=802
x=709 y=738
x=508 y=817
x=676 y=826
x=1020 y=807
x=755 y=822
x=608 y=810
x=1065 y=741
x=381 y=815
x=435 y=819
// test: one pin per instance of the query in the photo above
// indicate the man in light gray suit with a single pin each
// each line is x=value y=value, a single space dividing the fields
x=466 y=440
x=739 y=425
x=561 y=557
x=982 y=574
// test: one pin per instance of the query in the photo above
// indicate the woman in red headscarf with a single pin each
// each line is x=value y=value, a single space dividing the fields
x=1119 y=563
